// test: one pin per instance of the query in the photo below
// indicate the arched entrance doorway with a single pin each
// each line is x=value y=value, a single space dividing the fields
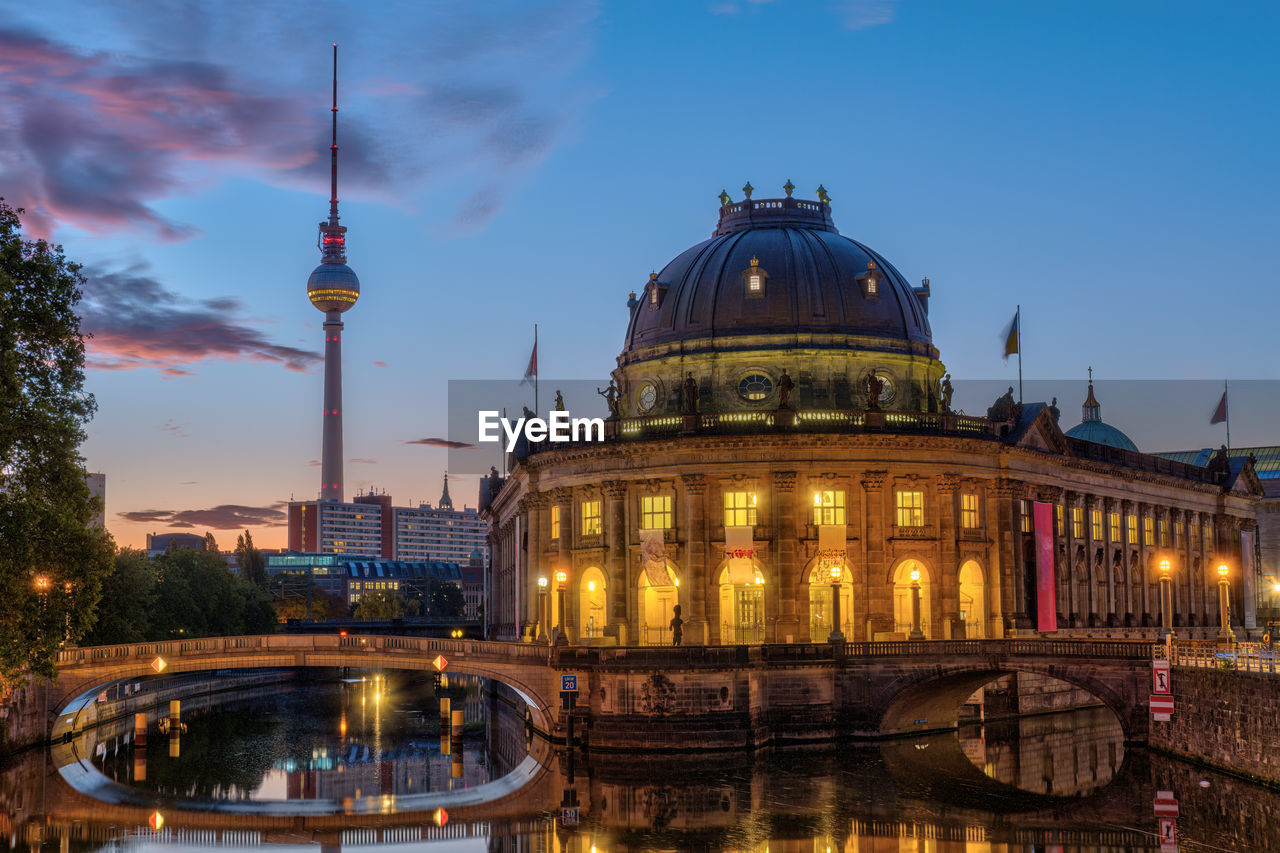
x=656 y=603
x=973 y=601
x=821 y=609
x=902 y=596
x=591 y=601
x=741 y=603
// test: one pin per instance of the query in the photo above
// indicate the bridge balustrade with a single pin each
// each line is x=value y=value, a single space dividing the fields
x=1208 y=654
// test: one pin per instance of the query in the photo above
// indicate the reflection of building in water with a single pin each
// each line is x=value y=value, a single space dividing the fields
x=1055 y=754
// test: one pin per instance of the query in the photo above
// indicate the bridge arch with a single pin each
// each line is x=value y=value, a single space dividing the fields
x=930 y=700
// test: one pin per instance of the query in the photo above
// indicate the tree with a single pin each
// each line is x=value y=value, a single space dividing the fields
x=385 y=604
x=52 y=557
x=253 y=566
x=128 y=594
x=197 y=597
x=211 y=543
x=445 y=599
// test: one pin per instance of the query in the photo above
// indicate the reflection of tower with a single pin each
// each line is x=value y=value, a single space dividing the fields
x=333 y=288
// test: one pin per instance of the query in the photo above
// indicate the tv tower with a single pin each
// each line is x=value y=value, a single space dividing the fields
x=333 y=288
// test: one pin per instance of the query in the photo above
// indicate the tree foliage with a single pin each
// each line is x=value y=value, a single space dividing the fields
x=289 y=594
x=385 y=604
x=253 y=566
x=182 y=593
x=445 y=599
x=52 y=556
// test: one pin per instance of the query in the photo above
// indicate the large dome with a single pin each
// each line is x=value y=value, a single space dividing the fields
x=811 y=286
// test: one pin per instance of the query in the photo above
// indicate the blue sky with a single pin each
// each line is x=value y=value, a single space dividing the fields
x=1109 y=166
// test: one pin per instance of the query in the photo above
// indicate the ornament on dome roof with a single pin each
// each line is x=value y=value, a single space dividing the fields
x=747 y=190
x=724 y=199
x=823 y=196
x=788 y=187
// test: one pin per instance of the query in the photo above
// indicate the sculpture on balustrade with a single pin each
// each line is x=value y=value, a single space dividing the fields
x=610 y=395
x=947 y=391
x=785 y=384
x=875 y=387
x=690 y=394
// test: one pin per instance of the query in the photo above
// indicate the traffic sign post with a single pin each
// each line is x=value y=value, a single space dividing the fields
x=568 y=684
x=1160 y=683
x=1162 y=708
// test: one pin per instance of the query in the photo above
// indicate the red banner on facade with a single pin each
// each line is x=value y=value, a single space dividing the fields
x=1046 y=606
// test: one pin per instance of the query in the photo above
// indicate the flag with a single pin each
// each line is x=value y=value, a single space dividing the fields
x=1220 y=413
x=1012 y=342
x=532 y=370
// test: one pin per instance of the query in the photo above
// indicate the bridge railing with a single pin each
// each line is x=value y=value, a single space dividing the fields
x=1209 y=654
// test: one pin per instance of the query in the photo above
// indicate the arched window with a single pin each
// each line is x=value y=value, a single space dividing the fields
x=911 y=574
x=591 y=604
x=973 y=601
x=741 y=602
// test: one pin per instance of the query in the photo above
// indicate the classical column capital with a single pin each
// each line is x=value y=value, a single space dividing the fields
x=694 y=484
x=1005 y=489
x=614 y=489
x=873 y=481
x=948 y=482
x=532 y=501
x=1048 y=494
x=784 y=481
x=562 y=495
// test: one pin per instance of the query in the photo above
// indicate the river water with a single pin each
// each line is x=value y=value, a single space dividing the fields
x=367 y=761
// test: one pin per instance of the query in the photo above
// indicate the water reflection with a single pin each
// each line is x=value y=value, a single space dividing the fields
x=373 y=735
x=1062 y=781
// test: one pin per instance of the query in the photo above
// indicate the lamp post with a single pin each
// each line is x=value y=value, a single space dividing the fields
x=837 y=636
x=562 y=580
x=1225 y=635
x=916 y=633
x=542 y=610
x=1166 y=601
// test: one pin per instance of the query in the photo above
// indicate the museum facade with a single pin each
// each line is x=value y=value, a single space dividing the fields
x=782 y=463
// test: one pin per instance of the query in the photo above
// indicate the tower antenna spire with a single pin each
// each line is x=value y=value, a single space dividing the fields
x=333 y=148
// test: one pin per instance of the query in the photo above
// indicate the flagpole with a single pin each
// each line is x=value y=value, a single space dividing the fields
x=1020 y=354
x=535 y=368
x=1224 y=396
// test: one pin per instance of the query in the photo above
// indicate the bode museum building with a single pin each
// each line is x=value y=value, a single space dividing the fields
x=782 y=462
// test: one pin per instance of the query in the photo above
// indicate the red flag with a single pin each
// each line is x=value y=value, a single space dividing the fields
x=1220 y=413
x=532 y=370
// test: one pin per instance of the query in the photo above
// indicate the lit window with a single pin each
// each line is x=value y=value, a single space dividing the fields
x=1077 y=522
x=1164 y=533
x=1208 y=537
x=910 y=509
x=591 y=518
x=755 y=387
x=1058 y=520
x=1115 y=527
x=740 y=509
x=1095 y=525
x=753 y=278
x=828 y=506
x=1025 y=522
x=873 y=286
x=555 y=521
x=969 y=512
x=655 y=512
x=1194 y=530
x=1178 y=534
x=1132 y=521
x=1148 y=531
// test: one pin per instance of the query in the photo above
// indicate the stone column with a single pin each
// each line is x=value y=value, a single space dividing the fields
x=1092 y=569
x=1248 y=605
x=786 y=556
x=1007 y=563
x=615 y=538
x=877 y=592
x=562 y=549
x=697 y=552
x=532 y=507
x=1191 y=519
x=948 y=595
x=1109 y=508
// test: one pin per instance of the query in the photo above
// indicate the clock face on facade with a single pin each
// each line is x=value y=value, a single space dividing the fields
x=648 y=397
x=890 y=390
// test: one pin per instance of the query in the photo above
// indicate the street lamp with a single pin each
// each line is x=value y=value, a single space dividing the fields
x=542 y=609
x=562 y=579
x=837 y=636
x=1166 y=600
x=916 y=633
x=1225 y=634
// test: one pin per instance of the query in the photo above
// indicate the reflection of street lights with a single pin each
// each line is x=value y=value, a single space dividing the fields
x=1225 y=634
x=562 y=580
x=1166 y=600
x=916 y=633
x=542 y=610
x=836 y=635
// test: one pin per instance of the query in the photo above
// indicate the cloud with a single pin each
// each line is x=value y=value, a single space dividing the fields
x=359 y=461
x=189 y=482
x=379 y=364
x=314 y=463
x=864 y=14
x=136 y=322
x=166 y=99
x=175 y=430
x=441 y=442
x=223 y=517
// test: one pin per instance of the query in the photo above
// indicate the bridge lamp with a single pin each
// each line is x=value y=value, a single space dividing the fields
x=837 y=636
x=916 y=633
x=1225 y=635
x=42 y=584
x=542 y=609
x=1166 y=600
x=562 y=580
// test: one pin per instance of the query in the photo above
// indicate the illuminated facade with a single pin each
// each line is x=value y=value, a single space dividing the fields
x=784 y=451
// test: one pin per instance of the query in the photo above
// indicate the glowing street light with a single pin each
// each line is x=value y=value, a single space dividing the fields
x=916 y=633
x=542 y=610
x=562 y=581
x=1166 y=600
x=1225 y=634
x=837 y=636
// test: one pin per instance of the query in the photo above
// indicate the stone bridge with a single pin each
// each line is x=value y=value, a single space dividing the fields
x=663 y=698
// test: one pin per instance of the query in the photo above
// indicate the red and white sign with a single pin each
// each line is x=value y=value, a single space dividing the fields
x=1165 y=805
x=1046 y=606
x=1160 y=684
x=1168 y=835
x=1162 y=707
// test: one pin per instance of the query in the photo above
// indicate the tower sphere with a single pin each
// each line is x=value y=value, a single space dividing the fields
x=333 y=287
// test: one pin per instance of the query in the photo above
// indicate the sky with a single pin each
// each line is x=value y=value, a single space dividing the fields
x=1110 y=167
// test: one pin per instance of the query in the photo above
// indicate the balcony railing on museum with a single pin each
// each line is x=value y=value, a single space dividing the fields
x=836 y=420
x=1210 y=654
